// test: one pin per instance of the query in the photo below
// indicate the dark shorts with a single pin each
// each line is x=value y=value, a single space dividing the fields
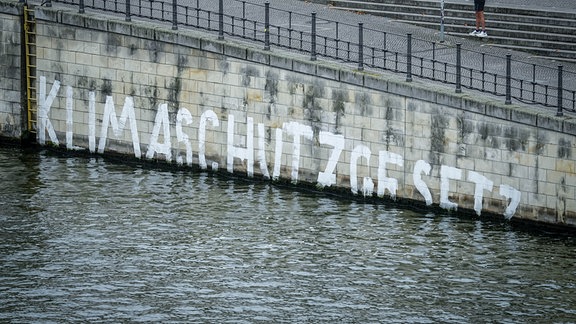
x=479 y=5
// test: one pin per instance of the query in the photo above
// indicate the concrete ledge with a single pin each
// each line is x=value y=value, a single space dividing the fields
x=570 y=126
x=73 y=19
x=95 y=22
x=235 y=52
x=11 y=8
x=549 y=122
x=258 y=56
x=304 y=67
x=376 y=83
x=474 y=106
x=166 y=35
x=411 y=90
x=351 y=77
x=46 y=14
x=142 y=31
x=325 y=72
x=280 y=62
x=211 y=46
x=119 y=27
x=494 y=109
x=450 y=100
x=188 y=40
x=524 y=117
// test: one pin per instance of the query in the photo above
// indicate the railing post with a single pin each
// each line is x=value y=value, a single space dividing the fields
x=337 y=39
x=508 y=79
x=483 y=70
x=442 y=21
x=174 y=14
x=458 y=68
x=221 y=19
x=266 y=25
x=81 y=7
x=313 y=38
x=128 y=17
x=409 y=58
x=560 y=112
x=360 y=46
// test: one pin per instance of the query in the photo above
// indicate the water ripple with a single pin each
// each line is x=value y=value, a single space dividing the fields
x=83 y=239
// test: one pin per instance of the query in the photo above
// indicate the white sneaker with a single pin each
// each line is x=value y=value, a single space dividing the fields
x=482 y=34
x=474 y=32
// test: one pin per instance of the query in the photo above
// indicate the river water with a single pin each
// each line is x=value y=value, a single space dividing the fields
x=84 y=239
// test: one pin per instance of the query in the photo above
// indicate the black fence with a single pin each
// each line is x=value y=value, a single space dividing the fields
x=355 y=44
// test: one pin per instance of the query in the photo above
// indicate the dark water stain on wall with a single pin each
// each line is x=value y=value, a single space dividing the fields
x=536 y=175
x=247 y=74
x=438 y=140
x=465 y=128
x=89 y=84
x=67 y=33
x=271 y=87
x=105 y=89
x=154 y=49
x=113 y=41
x=132 y=49
x=511 y=138
x=363 y=101
x=339 y=97
x=312 y=110
x=541 y=141
x=516 y=138
x=174 y=89
x=244 y=104
x=224 y=65
x=490 y=134
x=564 y=149
x=175 y=86
x=10 y=55
x=151 y=92
x=393 y=137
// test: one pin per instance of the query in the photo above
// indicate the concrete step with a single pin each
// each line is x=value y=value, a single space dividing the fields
x=549 y=38
x=546 y=33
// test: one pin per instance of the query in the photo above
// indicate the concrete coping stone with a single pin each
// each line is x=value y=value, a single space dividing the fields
x=569 y=126
x=11 y=8
x=258 y=56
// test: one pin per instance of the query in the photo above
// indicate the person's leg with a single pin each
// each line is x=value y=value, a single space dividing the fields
x=480 y=12
x=478 y=25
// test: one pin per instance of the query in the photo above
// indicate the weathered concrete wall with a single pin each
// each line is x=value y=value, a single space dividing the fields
x=10 y=70
x=110 y=86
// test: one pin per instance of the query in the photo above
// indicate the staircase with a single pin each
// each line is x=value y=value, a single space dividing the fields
x=543 y=33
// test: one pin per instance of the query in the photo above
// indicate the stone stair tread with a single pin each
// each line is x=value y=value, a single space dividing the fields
x=540 y=50
x=467 y=16
x=455 y=6
x=544 y=37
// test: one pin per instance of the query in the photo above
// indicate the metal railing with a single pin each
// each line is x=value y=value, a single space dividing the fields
x=355 y=44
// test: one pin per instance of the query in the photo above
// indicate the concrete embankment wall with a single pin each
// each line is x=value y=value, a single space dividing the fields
x=11 y=98
x=134 y=88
